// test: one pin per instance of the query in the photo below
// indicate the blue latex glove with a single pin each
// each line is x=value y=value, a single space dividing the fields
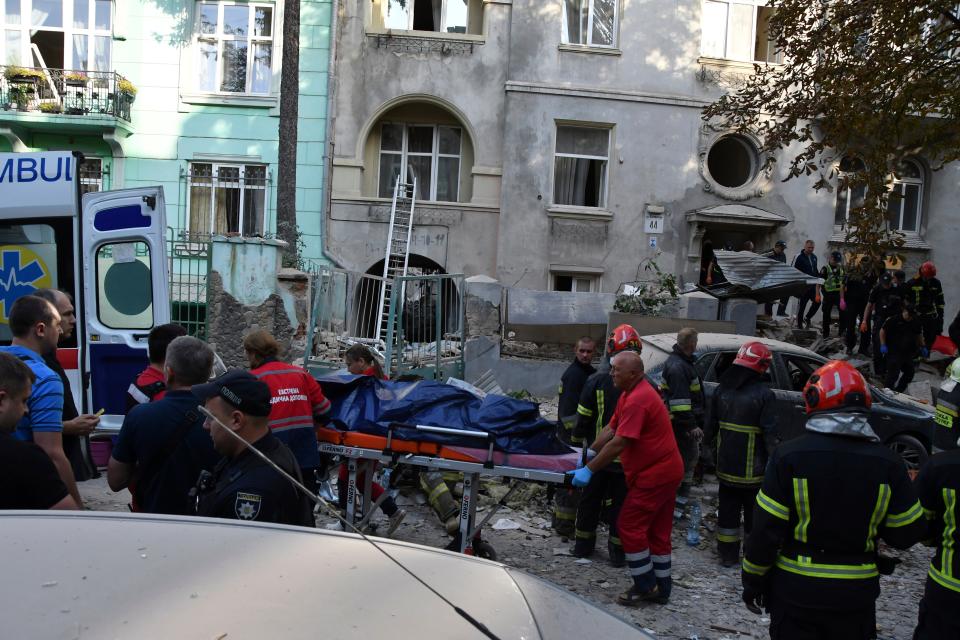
x=924 y=352
x=581 y=477
x=883 y=349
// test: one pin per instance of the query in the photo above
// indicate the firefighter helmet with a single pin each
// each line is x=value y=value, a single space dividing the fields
x=928 y=270
x=755 y=356
x=953 y=371
x=622 y=338
x=836 y=386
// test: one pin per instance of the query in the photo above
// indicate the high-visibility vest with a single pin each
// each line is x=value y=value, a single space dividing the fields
x=834 y=280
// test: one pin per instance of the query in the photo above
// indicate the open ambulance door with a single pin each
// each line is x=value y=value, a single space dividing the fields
x=125 y=290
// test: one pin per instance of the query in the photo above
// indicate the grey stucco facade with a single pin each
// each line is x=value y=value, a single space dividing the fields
x=510 y=82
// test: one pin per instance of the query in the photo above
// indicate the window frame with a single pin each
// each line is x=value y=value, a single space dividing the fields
x=604 y=190
x=755 y=5
x=615 y=31
x=893 y=184
x=69 y=31
x=593 y=281
x=90 y=174
x=214 y=185
x=218 y=38
x=434 y=155
x=385 y=7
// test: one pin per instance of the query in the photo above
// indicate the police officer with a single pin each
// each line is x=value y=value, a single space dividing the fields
x=682 y=392
x=571 y=384
x=938 y=485
x=604 y=495
x=806 y=261
x=827 y=497
x=926 y=294
x=243 y=486
x=834 y=284
x=742 y=416
x=884 y=302
x=947 y=431
x=901 y=337
x=779 y=254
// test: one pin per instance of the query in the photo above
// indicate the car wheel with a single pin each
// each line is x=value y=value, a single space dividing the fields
x=485 y=550
x=910 y=450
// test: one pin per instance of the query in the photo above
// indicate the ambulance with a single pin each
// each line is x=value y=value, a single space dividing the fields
x=106 y=249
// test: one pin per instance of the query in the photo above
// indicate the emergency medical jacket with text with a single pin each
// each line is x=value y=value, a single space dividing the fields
x=743 y=420
x=296 y=400
x=682 y=391
x=825 y=502
x=939 y=484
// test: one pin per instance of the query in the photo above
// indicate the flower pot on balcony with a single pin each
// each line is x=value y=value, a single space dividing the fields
x=75 y=83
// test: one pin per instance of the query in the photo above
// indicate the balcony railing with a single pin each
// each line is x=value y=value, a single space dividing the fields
x=60 y=91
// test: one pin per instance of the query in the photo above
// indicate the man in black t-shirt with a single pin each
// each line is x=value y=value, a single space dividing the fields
x=162 y=447
x=28 y=479
x=900 y=339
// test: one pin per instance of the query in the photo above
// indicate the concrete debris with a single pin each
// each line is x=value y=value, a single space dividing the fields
x=505 y=524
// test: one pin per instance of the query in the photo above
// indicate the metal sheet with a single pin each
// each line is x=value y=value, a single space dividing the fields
x=750 y=275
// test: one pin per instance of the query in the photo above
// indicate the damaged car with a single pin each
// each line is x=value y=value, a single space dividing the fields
x=903 y=424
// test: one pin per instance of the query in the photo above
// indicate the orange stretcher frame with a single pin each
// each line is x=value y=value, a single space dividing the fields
x=368 y=441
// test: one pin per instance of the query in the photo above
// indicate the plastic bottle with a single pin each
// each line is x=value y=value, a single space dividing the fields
x=693 y=530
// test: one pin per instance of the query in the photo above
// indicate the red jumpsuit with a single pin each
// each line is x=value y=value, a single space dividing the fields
x=653 y=469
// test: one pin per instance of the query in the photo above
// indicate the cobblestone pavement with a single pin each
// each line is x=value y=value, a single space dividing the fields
x=706 y=598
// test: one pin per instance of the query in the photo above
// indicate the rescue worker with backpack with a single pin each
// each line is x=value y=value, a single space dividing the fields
x=947 y=430
x=926 y=294
x=834 y=286
x=604 y=496
x=827 y=497
x=938 y=485
x=682 y=392
x=741 y=416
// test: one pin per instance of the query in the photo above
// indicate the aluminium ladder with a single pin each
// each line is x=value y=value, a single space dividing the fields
x=397 y=255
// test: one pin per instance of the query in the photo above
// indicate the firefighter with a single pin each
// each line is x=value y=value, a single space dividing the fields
x=884 y=302
x=834 y=286
x=900 y=339
x=860 y=282
x=682 y=392
x=605 y=494
x=947 y=431
x=640 y=434
x=926 y=294
x=742 y=416
x=938 y=485
x=571 y=384
x=827 y=498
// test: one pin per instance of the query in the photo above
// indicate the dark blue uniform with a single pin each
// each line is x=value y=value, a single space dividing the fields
x=247 y=488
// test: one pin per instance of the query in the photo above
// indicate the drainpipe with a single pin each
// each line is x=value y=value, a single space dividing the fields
x=331 y=90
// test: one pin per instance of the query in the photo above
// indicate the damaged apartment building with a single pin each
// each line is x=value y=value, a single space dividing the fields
x=558 y=143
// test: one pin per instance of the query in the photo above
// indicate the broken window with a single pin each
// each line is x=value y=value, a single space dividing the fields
x=591 y=23
x=234 y=47
x=575 y=282
x=580 y=166
x=447 y=16
x=431 y=155
x=227 y=199
x=738 y=31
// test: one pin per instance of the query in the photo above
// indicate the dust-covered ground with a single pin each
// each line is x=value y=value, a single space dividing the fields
x=706 y=598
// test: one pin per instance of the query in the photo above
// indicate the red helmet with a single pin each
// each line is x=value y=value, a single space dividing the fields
x=928 y=270
x=622 y=338
x=754 y=355
x=836 y=385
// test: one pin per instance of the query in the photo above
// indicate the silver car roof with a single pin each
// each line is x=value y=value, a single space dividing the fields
x=106 y=575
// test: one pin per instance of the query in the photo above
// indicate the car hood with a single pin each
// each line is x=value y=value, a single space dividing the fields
x=105 y=575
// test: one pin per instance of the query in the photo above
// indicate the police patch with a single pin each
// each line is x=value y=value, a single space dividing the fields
x=247 y=506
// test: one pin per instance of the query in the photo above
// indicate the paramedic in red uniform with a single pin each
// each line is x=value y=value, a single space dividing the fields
x=640 y=433
x=296 y=399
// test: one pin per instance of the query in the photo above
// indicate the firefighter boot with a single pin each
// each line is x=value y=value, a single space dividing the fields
x=729 y=553
x=615 y=551
x=565 y=511
x=584 y=545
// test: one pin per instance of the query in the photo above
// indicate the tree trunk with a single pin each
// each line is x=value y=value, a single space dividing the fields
x=287 y=143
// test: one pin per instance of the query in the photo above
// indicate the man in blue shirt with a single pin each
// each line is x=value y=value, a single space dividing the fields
x=35 y=326
x=162 y=447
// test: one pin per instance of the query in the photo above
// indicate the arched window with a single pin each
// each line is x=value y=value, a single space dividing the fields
x=906 y=198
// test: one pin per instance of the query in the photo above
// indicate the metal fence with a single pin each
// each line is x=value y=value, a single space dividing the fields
x=425 y=320
x=189 y=257
x=71 y=92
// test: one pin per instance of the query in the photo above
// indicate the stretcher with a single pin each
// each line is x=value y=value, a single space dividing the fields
x=363 y=452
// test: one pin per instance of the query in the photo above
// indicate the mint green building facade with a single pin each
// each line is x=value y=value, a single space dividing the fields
x=203 y=121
